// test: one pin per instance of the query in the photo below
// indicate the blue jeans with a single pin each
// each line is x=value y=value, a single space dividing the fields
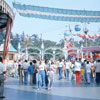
x=41 y=78
x=25 y=76
x=88 y=77
x=97 y=77
x=15 y=74
x=50 y=79
x=60 y=72
x=67 y=73
x=46 y=80
x=34 y=78
x=70 y=74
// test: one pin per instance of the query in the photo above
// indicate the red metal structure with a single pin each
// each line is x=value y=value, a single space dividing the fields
x=6 y=23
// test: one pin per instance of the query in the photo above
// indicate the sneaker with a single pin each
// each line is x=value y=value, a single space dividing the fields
x=38 y=89
x=48 y=88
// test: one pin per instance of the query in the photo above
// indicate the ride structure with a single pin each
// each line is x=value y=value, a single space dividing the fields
x=57 y=14
x=6 y=23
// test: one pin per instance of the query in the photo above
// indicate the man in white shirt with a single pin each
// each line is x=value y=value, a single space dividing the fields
x=77 y=66
x=97 y=70
x=88 y=71
x=60 y=68
x=67 y=67
x=2 y=72
x=25 y=66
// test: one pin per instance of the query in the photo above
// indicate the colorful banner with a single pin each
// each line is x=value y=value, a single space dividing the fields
x=57 y=14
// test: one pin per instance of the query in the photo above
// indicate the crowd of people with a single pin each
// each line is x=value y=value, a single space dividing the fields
x=42 y=72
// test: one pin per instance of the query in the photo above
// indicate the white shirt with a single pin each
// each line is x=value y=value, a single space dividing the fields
x=60 y=64
x=67 y=65
x=97 y=65
x=25 y=65
x=46 y=65
x=52 y=65
x=77 y=66
x=51 y=74
x=41 y=67
x=88 y=68
x=15 y=66
x=2 y=68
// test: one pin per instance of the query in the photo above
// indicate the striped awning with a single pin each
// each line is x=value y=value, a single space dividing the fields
x=57 y=14
x=91 y=49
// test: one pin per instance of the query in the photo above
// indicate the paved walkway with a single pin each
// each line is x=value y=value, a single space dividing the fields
x=62 y=90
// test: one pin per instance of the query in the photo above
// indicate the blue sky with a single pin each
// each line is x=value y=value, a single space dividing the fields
x=52 y=30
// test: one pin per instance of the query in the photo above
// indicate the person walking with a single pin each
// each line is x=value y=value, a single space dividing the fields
x=88 y=72
x=41 y=75
x=25 y=66
x=77 y=66
x=50 y=77
x=31 y=70
x=20 y=73
x=67 y=68
x=46 y=72
x=2 y=77
x=15 y=66
x=35 y=71
x=82 y=73
x=97 y=70
x=60 y=68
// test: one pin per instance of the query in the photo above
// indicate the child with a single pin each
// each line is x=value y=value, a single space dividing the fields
x=50 y=78
x=82 y=73
x=20 y=73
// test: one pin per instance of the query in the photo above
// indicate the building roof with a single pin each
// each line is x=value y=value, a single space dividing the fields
x=11 y=48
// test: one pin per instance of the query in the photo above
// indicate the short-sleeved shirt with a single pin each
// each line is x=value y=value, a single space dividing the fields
x=88 y=68
x=67 y=65
x=60 y=64
x=50 y=74
x=25 y=65
x=97 y=65
x=2 y=68
x=77 y=66
x=15 y=65
x=42 y=66
x=31 y=69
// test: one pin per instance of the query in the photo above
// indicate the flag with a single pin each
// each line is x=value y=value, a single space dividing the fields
x=67 y=44
x=98 y=35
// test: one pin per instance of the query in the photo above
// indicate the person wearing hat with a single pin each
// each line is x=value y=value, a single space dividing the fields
x=2 y=72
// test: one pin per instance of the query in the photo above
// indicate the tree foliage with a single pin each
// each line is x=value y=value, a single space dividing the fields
x=35 y=41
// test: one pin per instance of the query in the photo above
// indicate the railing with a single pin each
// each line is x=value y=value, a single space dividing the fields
x=6 y=9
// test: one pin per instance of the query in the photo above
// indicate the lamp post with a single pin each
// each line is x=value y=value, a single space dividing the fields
x=81 y=50
x=19 y=48
x=85 y=30
x=26 y=53
x=54 y=55
x=42 y=50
